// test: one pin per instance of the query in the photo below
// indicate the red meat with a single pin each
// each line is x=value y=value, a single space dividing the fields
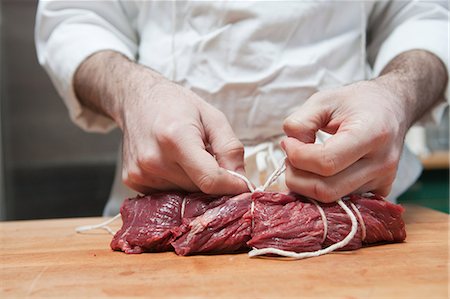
x=220 y=224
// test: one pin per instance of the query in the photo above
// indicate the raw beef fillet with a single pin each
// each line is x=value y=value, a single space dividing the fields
x=223 y=228
x=199 y=223
x=147 y=223
x=292 y=222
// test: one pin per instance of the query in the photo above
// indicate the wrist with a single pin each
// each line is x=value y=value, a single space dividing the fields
x=417 y=79
x=108 y=82
x=397 y=92
x=134 y=83
x=97 y=82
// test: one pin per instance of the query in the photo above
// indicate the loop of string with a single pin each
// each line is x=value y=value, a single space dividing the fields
x=292 y=254
x=266 y=146
x=324 y=218
x=302 y=255
x=279 y=170
x=361 y=221
x=183 y=207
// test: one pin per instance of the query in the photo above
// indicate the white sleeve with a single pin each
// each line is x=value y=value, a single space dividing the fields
x=398 y=26
x=66 y=33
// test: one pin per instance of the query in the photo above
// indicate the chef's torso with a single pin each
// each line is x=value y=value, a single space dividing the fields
x=257 y=62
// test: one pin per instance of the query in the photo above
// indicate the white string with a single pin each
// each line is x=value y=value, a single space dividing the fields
x=361 y=221
x=103 y=225
x=252 y=209
x=256 y=252
x=302 y=255
x=247 y=181
x=324 y=218
x=183 y=207
x=274 y=176
x=259 y=148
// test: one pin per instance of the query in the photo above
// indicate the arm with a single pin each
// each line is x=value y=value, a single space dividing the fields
x=418 y=80
x=172 y=138
x=167 y=129
x=67 y=32
x=368 y=120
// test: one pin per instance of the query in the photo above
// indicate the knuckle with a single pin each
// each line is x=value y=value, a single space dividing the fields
x=234 y=147
x=289 y=182
x=389 y=166
x=148 y=162
x=207 y=184
x=389 y=179
x=323 y=192
x=168 y=136
x=383 y=135
x=130 y=178
x=290 y=125
x=327 y=164
x=295 y=158
x=133 y=177
x=385 y=190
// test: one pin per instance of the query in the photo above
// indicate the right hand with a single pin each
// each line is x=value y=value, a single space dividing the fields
x=175 y=140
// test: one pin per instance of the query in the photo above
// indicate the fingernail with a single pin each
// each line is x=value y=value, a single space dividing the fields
x=283 y=145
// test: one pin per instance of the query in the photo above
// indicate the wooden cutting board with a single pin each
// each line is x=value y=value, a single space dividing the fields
x=47 y=258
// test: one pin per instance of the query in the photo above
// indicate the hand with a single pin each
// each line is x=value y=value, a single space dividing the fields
x=368 y=123
x=175 y=140
x=172 y=139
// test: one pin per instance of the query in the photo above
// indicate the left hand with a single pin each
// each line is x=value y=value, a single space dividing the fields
x=368 y=122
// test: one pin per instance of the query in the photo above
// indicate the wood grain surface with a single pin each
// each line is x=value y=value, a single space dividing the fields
x=48 y=259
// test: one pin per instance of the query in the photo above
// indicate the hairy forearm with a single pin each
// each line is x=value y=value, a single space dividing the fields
x=418 y=78
x=163 y=149
x=103 y=80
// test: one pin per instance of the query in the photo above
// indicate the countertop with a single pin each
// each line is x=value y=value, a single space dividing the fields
x=47 y=258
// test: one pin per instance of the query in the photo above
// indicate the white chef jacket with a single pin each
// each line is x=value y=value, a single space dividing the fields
x=257 y=62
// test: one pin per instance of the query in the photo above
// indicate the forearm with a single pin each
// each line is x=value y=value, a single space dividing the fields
x=418 y=78
x=103 y=81
x=163 y=149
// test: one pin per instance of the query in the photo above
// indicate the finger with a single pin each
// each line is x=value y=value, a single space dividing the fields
x=126 y=154
x=378 y=187
x=382 y=190
x=140 y=188
x=329 y=189
x=307 y=120
x=336 y=154
x=204 y=170
x=150 y=167
x=225 y=146
x=141 y=181
x=171 y=174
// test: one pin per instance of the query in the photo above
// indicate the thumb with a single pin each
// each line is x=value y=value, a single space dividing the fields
x=304 y=123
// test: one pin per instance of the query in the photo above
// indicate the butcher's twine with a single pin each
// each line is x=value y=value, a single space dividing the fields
x=280 y=169
x=301 y=255
x=103 y=225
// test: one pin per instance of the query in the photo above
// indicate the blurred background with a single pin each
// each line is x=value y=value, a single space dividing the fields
x=50 y=168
